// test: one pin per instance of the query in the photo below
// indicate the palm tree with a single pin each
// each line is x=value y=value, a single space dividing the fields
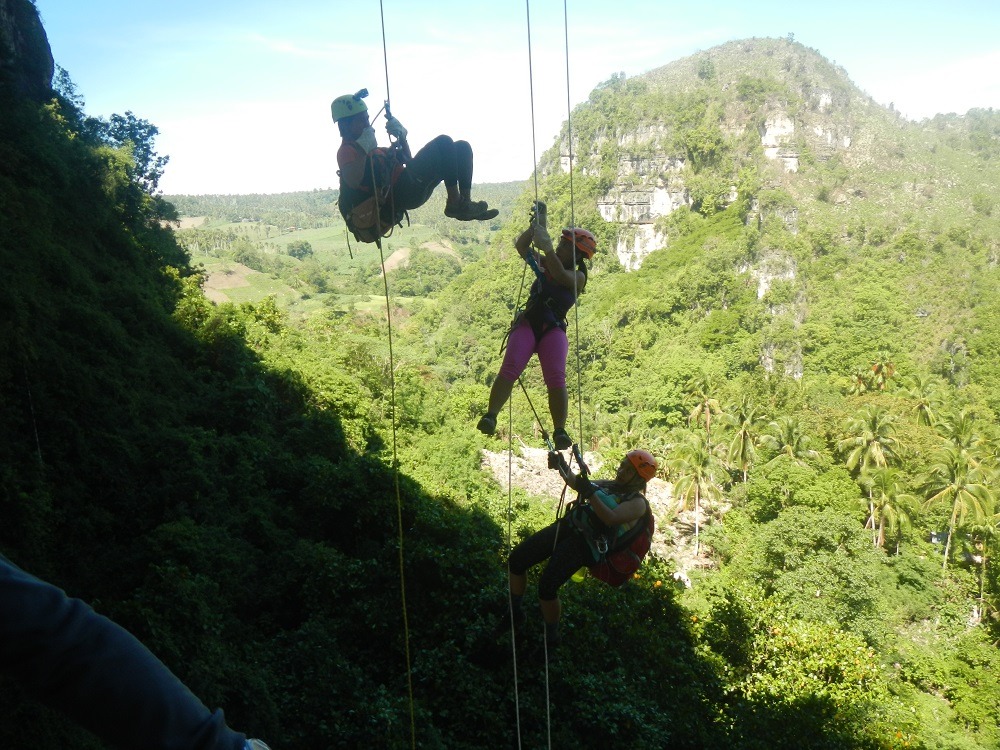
x=746 y=417
x=859 y=381
x=870 y=441
x=785 y=436
x=958 y=479
x=926 y=391
x=700 y=390
x=984 y=536
x=891 y=508
x=882 y=369
x=695 y=470
x=959 y=429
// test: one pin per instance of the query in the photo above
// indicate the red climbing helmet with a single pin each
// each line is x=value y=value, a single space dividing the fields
x=643 y=462
x=586 y=242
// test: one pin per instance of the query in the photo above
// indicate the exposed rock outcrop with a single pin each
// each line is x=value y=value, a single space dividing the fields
x=772 y=102
x=26 y=64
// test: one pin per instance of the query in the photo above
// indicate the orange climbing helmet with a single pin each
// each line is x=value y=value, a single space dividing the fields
x=643 y=462
x=586 y=242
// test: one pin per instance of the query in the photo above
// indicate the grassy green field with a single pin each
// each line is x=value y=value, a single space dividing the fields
x=227 y=281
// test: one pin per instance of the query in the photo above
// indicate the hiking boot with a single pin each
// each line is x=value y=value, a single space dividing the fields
x=561 y=439
x=487 y=424
x=468 y=210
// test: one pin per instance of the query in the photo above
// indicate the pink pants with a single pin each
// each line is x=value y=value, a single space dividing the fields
x=552 y=351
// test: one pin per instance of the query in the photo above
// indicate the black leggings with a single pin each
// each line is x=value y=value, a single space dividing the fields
x=441 y=160
x=570 y=554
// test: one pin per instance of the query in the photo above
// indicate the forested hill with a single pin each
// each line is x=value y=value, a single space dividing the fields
x=810 y=356
x=239 y=516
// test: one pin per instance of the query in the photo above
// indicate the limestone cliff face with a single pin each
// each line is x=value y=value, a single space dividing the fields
x=26 y=64
x=775 y=103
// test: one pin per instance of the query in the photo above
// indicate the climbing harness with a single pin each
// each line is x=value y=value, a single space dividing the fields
x=367 y=218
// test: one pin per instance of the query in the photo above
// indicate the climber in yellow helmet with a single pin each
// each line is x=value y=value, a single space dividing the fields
x=402 y=181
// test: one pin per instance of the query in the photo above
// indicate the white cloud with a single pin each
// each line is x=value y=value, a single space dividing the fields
x=252 y=147
x=953 y=87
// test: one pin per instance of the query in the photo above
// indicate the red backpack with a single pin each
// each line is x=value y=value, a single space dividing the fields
x=620 y=563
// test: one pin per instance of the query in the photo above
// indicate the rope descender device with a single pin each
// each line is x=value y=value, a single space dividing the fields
x=539 y=215
x=578 y=455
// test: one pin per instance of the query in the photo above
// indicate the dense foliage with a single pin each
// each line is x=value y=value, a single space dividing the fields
x=221 y=478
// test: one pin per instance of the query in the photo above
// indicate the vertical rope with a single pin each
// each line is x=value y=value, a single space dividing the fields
x=534 y=163
x=510 y=451
x=531 y=93
x=510 y=418
x=385 y=53
x=572 y=221
x=510 y=600
x=399 y=500
x=392 y=417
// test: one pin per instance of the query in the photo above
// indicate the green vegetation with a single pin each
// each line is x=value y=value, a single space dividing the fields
x=816 y=369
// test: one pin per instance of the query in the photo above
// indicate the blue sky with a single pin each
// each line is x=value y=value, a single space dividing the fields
x=240 y=91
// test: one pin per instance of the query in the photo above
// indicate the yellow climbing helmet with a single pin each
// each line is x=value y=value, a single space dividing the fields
x=348 y=105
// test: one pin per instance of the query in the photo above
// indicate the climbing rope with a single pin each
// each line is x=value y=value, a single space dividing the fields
x=510 y=452
x=392 y=418
x=510 y=447
x=572 y=223
x=385 y=52
x=399 y=501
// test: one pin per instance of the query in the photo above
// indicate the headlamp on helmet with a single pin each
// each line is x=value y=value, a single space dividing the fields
x=348 y=105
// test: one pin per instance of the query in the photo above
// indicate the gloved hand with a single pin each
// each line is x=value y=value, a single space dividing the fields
x=367 y=139
x=395 y=128
x=556 y=461
x=584 y=486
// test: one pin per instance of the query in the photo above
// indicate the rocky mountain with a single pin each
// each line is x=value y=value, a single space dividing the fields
x=753 y=116
x=26 y=64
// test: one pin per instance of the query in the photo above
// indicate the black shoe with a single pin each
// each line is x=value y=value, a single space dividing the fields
x=487 y=424
x=562 y=439
x=466 y=210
